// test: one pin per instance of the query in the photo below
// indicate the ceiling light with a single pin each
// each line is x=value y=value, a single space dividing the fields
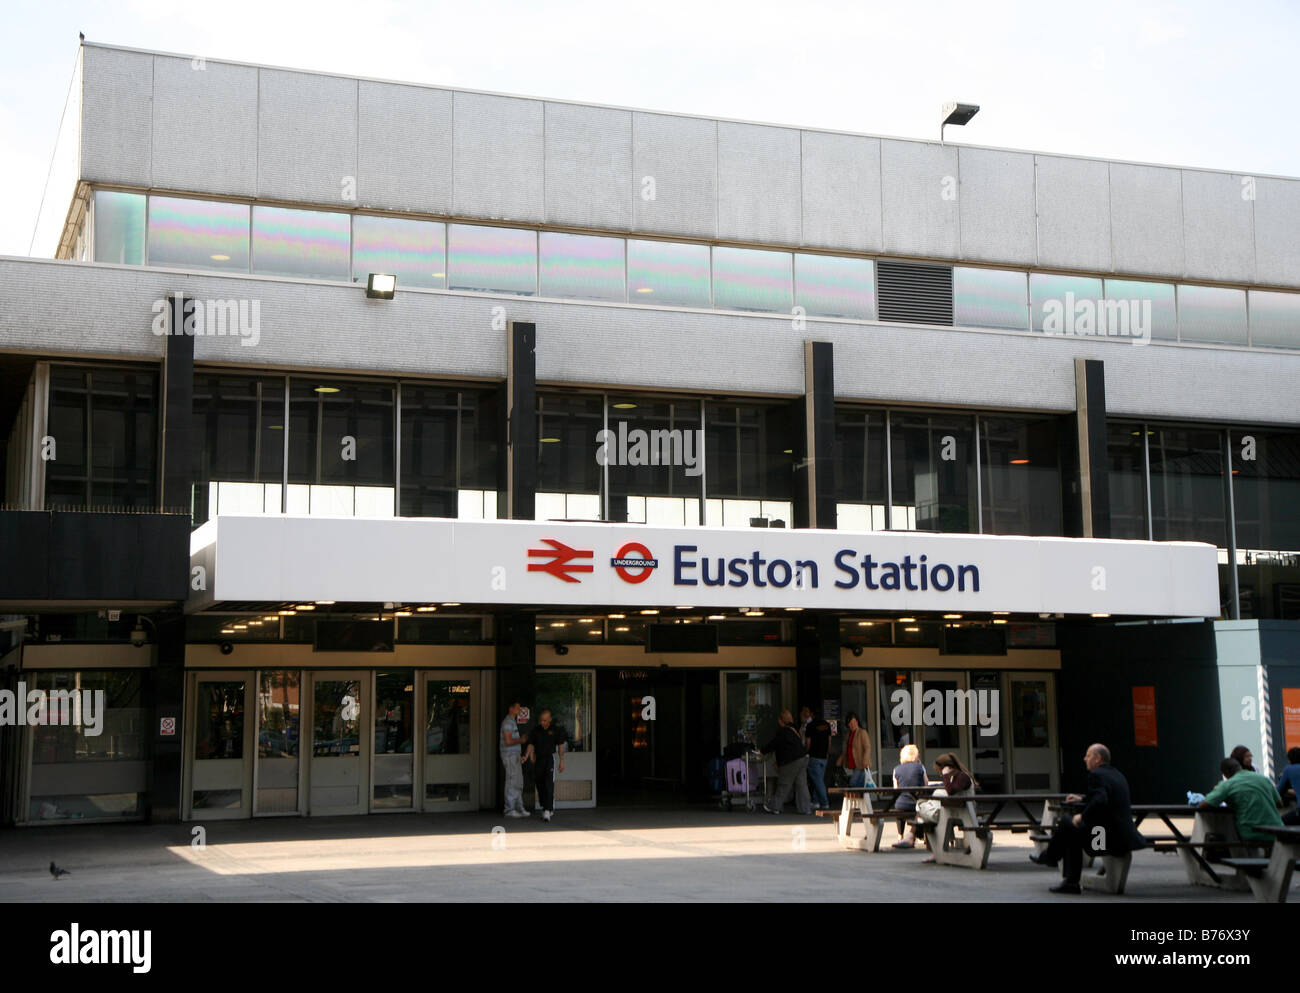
x=559 y=624
x=438 y=275
x=585 y=620
x=1020 y=462
x=287 y=613
x=381 y=286
x=907 y=620
x=326 y=389
x=649 y=611
x=717 y=617
x=1001 y=613
x=787 y=451
x=403 y=613
x=952 y=617
x=644 y=289
x=866 y=624
x=999 y=620
x=549 y=441
x=325 y=603
x=219 y=257
x=271 y=617
x=625 y=405
x=753 y=613
x=451 y=605
x=240 y=627
x=1101 y=615
x=794 y=608
x=620 y=629
x=426 y=610
x=616 y=617
x=911 y=630
x=257 y=623
x=306 y=606
x=594 y=631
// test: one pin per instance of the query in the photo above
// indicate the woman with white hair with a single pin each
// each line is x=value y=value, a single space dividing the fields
x=910 y=772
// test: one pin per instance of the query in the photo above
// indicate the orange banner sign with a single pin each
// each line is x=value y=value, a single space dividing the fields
x=1291 y=716
x=1144 y=716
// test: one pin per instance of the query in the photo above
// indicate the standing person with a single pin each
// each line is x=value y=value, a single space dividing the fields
x=910 y=772
x=817 y=739
x=856 y=757
x=510 y=741
x=543 y=742
x=791 y=766
x=1107 y=806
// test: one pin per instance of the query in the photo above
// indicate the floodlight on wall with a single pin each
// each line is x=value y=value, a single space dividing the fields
x=381 y=286
x=958 y=114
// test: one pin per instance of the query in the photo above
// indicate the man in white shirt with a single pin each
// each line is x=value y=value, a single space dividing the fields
x=510 y=741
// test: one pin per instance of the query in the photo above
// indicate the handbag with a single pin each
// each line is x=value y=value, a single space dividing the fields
x=928 y=809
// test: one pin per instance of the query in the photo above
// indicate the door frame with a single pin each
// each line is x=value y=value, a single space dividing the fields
x=365 y=678
x=193 y=678
x=476 y=740
x=257 y=743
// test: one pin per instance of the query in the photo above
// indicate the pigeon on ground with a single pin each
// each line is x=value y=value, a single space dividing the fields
x=56 y=871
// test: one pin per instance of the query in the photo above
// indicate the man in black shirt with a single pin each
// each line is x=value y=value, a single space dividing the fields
x=543 y=742
x=791 y=766
x=817 y=739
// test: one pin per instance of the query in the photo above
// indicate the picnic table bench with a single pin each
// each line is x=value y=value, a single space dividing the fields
x=964 y=834
x=858 y=803
x=1270 y=878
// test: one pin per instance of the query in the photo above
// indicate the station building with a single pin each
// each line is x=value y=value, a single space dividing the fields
x=663 y=423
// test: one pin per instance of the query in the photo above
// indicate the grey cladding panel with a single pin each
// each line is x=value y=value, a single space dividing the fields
x=588 y=167
x=1218 y=227
x=117 y=116
x=841 y=192
x=677 y=159
x=307 y=137
x=919 y=193
x=1073 y=204
x=404 y=148
x=758 y=183
x=1146 y=210
x=208 y=106
x=1277 y=231
x=499 y=155
x=996 y=201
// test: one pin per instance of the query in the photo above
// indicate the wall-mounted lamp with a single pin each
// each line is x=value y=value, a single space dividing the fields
x=381 y=286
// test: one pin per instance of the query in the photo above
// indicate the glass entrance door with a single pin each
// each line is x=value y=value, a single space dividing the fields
x=448 y=756
x=945 y=719
x=340 y=725
x=221 y=772
x=393 y=776
x=279 y=727
x=894 y=703
x=1033 y=732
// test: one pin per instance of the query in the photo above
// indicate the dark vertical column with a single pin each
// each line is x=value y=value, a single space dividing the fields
x=1090 y=515
x=814 y=482
x=516 y=648
x=1230 y=529
x=165 y=685
x=817 y=663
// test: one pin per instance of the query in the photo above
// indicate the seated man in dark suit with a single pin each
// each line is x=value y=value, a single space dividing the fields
x=1104 y=827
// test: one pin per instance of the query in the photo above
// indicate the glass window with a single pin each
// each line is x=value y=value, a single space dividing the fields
x=1141 y=310
x=667 y=273
x=567 y=695
x=753 y=706
x=1021 y=472
x=1212 y=313
x=336 y=720
x=655 y=454
x=1274 y=319
x=238 y=445
x=860 y=469
x=76 y=774
x=567 y=429
x=748 y=279
x=219 y=721
x=1266 y=497
x=582 y=267
x=279 y=710
x=893 y=736
x=105 y=424
x=449 y=452
x=827 y=286
x=1029 y=714
x=307 y=244
x=119 y=227
x=990 y=298
x=198 y=234
x=413 y=251
x=394 y=784
x=1065 y=304
x=749 y=453
x=933 y=472
x=492 y=260
x=446 y=731
x=340 y=448
x=1187 y=485
x=1128 y=498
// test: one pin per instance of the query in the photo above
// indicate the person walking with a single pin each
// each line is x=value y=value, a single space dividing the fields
x=510 y=741
x=791 y=766
x=817 y=740
x=543 y=743
x=856 y=757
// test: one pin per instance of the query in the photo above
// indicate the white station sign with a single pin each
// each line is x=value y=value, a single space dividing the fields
x=423 y=560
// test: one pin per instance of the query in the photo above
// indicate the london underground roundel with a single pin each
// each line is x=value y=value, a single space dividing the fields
x=633 y=562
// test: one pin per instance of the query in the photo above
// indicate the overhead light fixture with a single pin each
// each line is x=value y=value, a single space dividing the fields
x=999 y=620
x=306 y=606
x=911 y=630
x=271 y=617
x=426 y=610
x=549 y=441
x=326 y=389
x=288 y=613
x=275 y=427
x=907 y=620
x=257 y=623
x=717 y=617
x=649 y=611
x=794 y=608
x=594 y=631
x=451 y=605
x=617 y=617
x=1020 y=462
x=753 y=613
x=586 y=620
x=403 y=613
x=644 y=289
x=1101 y=615
x=559 y=624
x=381 y=286
x=957 y=114
x=620 y=629
x=952 y=617
x=787 y=451
x=866 y=624
x=1001 y=613
x=625 y=405
x=219 y=257
x=438 y=275
x=324 y=603
x=240 y=627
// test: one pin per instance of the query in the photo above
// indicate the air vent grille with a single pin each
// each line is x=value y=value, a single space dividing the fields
x=911 y=293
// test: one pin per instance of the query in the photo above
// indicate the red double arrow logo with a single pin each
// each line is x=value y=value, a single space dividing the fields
x=560 y=557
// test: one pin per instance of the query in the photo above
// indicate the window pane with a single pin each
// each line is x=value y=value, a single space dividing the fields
x=219 y=721
x=753 y=706
x=582 y=267
x=447 y=728
x=749 y=453
x=413 y=251
x=1275 y=319
x=1212 y=313
x=1065 y=304
x=1266 y=496
x=238 y=436
x=1128 y=501
x=309 y=244
x=492 y=260
x=826 y=286
x=341 y=440
x=860 y=468
x=198 y=234
x=567 y=695
x=1146 y=309
x=449 y=451
x=747 y=279
x=119 y=227
x=667 y=273
x=1021 y=475
x=990 y=298
x=67 y=482
x=654 y=451
x=933 y=472
x=1187 y=485
x=566 y=431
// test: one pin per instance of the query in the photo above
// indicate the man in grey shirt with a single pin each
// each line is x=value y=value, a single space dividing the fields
x=510 y=740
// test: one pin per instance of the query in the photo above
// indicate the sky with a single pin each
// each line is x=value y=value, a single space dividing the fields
x=1189 y=84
